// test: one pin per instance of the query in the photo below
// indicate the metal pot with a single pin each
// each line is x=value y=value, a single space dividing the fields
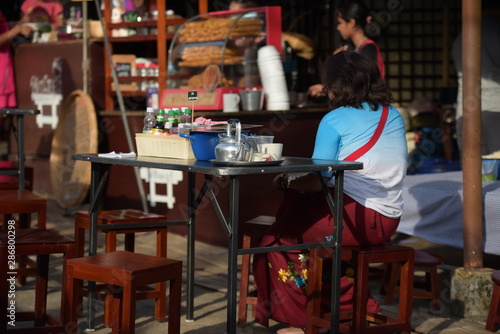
x=203 y=144
x=233 y=148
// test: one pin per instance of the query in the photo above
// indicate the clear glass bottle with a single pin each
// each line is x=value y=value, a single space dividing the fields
x=149 y=121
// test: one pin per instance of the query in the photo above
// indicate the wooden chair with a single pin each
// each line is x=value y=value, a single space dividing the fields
x=359 y=320
x=42 y=243
x=494 y=314
x=24 y=203
x=426 y=262
x=124 y=217
x=129 y=271
x=253 y=231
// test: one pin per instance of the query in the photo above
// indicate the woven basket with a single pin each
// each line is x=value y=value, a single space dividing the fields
x=163 y=146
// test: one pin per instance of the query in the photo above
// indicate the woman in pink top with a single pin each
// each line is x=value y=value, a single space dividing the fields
x=43 y=11
x=7 y=83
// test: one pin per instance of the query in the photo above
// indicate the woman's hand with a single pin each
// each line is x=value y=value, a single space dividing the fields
x=23 y=29
x=316 y=90
x=280 y=182
x=299 y=182
x=342 y=48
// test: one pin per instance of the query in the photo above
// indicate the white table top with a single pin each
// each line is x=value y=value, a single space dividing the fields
x=433 y=210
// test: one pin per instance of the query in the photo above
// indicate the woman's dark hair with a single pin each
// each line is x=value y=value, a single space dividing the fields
x=354 y=10
x=349 y=79
x=358 y=11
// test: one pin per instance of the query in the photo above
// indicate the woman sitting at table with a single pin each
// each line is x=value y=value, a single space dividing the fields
x=372 y=196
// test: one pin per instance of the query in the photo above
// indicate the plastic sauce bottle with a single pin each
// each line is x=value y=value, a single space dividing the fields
x=159 y=127
x=149 y=121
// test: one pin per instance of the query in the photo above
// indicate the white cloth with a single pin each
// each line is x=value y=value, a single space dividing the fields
x=113 y=154
x=433 y=210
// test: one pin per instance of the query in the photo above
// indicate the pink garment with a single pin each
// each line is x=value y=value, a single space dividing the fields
x=7 y=83
x=281 y=277
x=43 y=10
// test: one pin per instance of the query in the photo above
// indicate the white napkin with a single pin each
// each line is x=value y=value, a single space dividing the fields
x=117 y=155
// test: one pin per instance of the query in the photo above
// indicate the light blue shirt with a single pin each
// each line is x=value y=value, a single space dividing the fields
x=379 y=184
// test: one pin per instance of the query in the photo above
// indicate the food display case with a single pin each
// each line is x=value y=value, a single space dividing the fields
x=216 y=53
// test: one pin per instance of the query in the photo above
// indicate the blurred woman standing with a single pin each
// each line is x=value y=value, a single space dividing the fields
x=354 y=24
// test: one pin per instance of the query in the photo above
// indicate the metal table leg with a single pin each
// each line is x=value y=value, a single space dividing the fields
x=99 y=177
x=190 y=248
x=234 y=188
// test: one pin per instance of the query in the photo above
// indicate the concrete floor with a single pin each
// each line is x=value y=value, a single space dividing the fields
x=210 y=288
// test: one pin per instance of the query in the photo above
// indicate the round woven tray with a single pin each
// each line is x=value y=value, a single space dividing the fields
x=75 y=133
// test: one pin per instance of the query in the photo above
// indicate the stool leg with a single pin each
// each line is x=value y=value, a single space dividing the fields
x=161 y=251
x=110 y=246
x=493 y=311
x=130 y=242
x=116 y=310
x=313 y=306
x=174 y=305
x=42 y=216
x=42 y=273
x=79 y=238
x=128 y=308
x=68 y=254
x=360 y=293
x=432 y=277
x=110 y=241
x=392 y=275
x=72 y=288
x=406 y=292
x=244 y=278
x=25 y=220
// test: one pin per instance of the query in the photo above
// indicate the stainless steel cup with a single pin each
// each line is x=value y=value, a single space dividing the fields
x=251 y=99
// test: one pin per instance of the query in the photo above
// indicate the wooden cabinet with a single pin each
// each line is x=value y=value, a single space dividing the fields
x=155 y=44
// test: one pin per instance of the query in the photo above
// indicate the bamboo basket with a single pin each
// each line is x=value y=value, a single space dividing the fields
x=163 y=146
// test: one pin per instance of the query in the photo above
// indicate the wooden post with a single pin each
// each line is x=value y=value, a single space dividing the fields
x=471 y=155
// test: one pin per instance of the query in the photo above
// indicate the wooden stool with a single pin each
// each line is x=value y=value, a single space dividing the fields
x=24 y=203
x=39 y=242
x=361 y=258
x=253 y=231
x=426 y=262
x=82 y=223
x=130 y=271
x=494 y=314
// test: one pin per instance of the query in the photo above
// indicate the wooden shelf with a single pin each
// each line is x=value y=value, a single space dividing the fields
x=161 y=39
x=136 y=78
x=138 y=38
x=148 y=23
x=132 y=93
